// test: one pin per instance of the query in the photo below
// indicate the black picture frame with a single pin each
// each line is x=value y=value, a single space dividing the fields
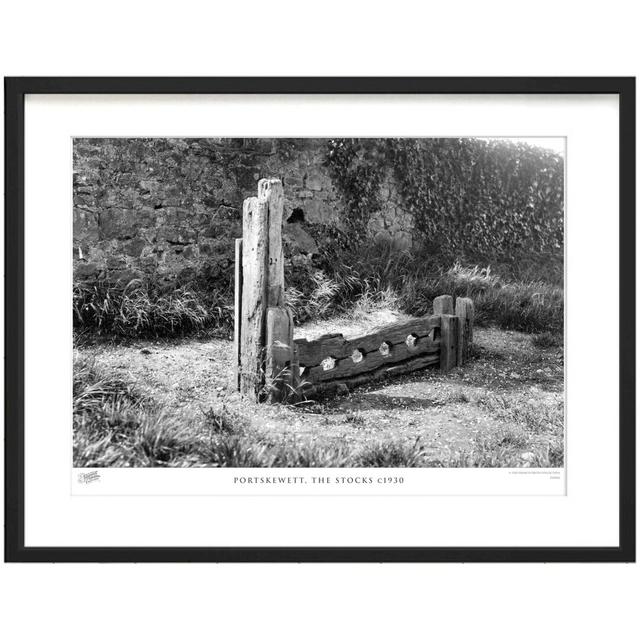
x=15 y=91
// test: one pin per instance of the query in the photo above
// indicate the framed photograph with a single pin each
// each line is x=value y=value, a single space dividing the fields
x=320 y=319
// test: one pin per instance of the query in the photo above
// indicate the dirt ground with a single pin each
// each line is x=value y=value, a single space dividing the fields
x=511 y=391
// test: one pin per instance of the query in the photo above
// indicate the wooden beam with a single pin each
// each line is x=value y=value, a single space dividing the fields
x=448 y=342
x=465 y=313
x=279 y=340
x=442 y=305
x=415 y=364
x=369 y=361
x=262 y=284
x=255 y=246
x=270 y=190
x=237 y=313
x=312 y=352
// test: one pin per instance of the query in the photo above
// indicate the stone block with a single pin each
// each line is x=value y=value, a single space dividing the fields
x=402 y=240
x=125 y=276
x=86 y=270
x=117 y=223
x=134 y=247
x=382 y=238
x=314 y=181
x=116 y=262
x=293 y=181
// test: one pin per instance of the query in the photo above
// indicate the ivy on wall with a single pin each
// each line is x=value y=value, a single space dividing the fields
x=357 y=167
x=469 y=198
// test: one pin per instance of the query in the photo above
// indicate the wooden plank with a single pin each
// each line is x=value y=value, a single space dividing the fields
x=295 y=371
x=346 y=367
x=448 y=342
x=254 y=295
x=443 y=305
x=415 y=364
x=464 y=311
x=237 y=312
x=279 y=341
x=469 y=313
x=312 y=353
x=270 y=190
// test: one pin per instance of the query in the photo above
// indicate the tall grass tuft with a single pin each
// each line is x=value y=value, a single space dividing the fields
x=533 y=307
x=413 y=280
x=317 y=300
x=142 y=309
x=392 y=454
x=114 y=424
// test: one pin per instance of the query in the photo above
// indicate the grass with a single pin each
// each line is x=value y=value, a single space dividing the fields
x=508 y=450
x=410 y=282
x=354 y=418
x=339 y=282
x=392 y=453
x=143 y=309
x=316 y=301
x=532 y=307
x=547 y=340
x=532 y=435
x=535 y=417
x=514 y=446
x=116 y=424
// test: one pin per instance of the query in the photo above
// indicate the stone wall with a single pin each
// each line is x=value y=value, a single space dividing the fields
x=170 y=208
x=392 y=224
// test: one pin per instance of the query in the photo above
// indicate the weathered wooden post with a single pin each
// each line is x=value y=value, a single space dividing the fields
x=253 y=298
x=443 y=305
x=448 y=342
x=279 y=362
x=264 y=326
x=237 y=312
x=465 y=313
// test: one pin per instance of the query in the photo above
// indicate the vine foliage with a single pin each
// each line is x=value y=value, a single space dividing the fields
x=469 y=198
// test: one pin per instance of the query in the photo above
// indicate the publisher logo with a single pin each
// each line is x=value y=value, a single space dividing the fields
x=88 y=477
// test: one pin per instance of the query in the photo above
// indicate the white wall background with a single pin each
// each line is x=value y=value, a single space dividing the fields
x=329 y=38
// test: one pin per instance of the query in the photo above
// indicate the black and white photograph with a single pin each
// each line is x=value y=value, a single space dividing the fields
x=318 y=302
